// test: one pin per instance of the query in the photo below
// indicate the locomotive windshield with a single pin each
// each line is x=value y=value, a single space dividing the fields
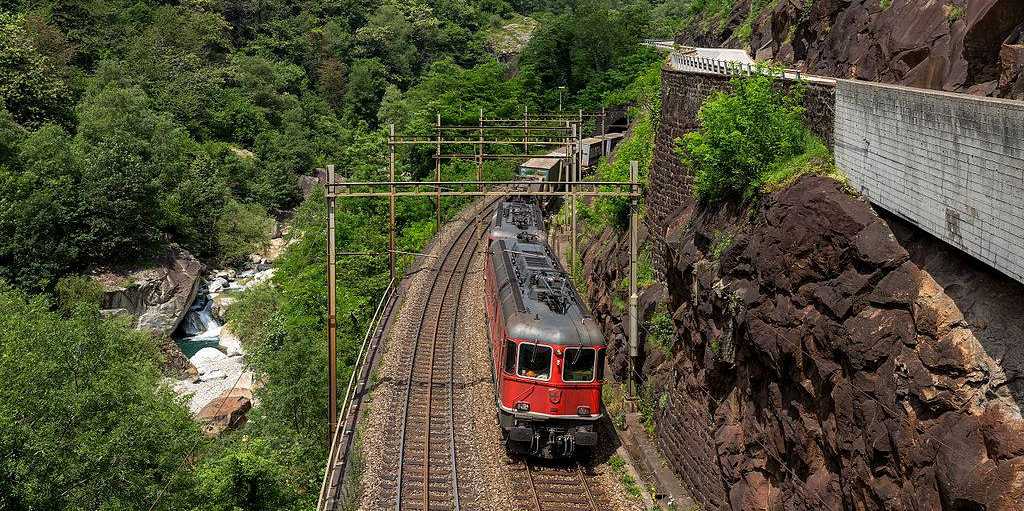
x=534 y=361
x=579 y=364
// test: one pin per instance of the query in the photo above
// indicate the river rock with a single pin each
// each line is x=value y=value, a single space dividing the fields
x=230 y=343
x=226 y=412
x=158 y=295
x=207 y=359
x=220 y=304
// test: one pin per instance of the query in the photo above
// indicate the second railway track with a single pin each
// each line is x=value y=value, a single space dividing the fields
x=428 y=471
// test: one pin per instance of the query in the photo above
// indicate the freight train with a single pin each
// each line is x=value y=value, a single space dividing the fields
x=547 y=351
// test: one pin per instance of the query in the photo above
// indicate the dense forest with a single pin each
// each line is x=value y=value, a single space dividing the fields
x=129 y=125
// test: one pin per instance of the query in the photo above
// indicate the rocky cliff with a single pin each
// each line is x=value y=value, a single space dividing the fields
x=974 y=46
x=816 y=366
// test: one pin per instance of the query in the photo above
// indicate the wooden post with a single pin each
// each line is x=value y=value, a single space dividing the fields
x=634 y=341
x=332 y=319
x=391 y=203
x=437 y=179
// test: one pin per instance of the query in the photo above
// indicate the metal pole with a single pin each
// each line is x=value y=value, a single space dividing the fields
x=574 y=171
x=526 y=124
x=391 y=204
x=605 y=146
x=332 y=319
x=634 y=342
x=480 y=162
x=437 y=178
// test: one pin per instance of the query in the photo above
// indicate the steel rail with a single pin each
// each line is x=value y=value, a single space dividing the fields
x=586 y=485
x=412 y=366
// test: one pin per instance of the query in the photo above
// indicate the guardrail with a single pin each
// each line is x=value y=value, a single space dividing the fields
x=333 y=489
x=692 y=62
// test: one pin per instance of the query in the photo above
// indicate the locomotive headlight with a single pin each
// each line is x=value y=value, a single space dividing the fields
x=583 y=411
x=522 y=406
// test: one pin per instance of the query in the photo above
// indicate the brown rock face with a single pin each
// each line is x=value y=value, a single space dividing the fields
x=816 y=366
x=226 y=412
x=952 y=45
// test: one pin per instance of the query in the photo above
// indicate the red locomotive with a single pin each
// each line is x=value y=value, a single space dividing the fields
x=547 y=351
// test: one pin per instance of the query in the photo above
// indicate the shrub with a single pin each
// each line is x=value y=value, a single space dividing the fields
x=242 y=229
x=743 y=134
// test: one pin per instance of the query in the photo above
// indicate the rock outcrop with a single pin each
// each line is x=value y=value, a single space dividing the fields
x=816 y=366
x=956 y=46
x=227 y=412
x=159 y=295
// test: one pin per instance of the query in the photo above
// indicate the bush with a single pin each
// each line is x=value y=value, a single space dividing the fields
x=242 y=229
x=744 y=134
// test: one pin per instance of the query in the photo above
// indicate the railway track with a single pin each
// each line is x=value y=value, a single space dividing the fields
x=428 y=472
x=555 y=487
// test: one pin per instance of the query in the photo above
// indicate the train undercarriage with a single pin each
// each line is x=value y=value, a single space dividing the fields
x=546 y=438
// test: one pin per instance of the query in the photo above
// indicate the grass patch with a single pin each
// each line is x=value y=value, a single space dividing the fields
x=885 y=4
x=816 y=159
x=618 y=465
x=721 y=242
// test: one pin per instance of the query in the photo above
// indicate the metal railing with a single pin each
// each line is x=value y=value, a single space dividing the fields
x=341 y=443
x=683 y=61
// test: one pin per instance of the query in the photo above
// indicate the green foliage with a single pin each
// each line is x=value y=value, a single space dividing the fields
x=245 y=477
x=720 y=242
x=661 y=332
x=744 y=134
x=885 y=4
x=954 y=12
x=242 y=229
x=618 y=465
x=32 y=84
x=101 y=433
x=78 y=290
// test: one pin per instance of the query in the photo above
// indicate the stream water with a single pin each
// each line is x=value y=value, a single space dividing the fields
x=199 y=329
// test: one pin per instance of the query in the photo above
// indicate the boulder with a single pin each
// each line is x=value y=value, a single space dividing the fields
x=174 y=363
x=226 y=412
x=229 y=343
x=158 y=295
x=1011 y=77
x=220 y=305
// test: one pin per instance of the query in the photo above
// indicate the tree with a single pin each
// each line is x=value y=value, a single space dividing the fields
x=40 y=211
x=31 y=85
x=242 y=229
x=102 y=432
x=367 y=80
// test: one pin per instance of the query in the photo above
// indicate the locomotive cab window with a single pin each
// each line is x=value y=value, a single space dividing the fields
x=510 y=357
x=534 y=361
x=579 y=365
